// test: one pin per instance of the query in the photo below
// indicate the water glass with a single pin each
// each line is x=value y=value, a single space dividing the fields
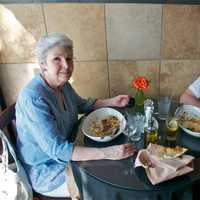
x=163 y=107
x=135 y=127
x=130 y=127
x=139 y=124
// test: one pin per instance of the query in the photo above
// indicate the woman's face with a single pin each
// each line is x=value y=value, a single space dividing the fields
x=59 y=66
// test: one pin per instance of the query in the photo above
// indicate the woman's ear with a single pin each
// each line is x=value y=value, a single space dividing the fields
x=44 y=69
x=42 y=66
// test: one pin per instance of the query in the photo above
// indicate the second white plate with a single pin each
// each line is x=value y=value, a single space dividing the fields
x=192 y=110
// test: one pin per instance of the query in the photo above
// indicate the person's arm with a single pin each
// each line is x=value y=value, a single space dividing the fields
x=46 y=133
x=87 y=105
x=116 y=152
x=83 y=105
x=118 y=101
x=188 y=97
x=43 y=127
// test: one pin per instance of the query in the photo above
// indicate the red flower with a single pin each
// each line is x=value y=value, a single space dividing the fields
x=140 y=83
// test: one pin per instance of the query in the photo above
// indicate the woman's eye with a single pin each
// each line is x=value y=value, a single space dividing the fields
x=69 y=59
x=57 y=58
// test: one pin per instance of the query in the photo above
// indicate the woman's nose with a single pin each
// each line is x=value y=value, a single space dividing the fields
x=65 y=64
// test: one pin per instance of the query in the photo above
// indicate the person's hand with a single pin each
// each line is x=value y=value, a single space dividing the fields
x=119 y=101
x=118 y=152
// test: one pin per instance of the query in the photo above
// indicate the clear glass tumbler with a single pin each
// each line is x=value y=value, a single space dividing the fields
x=172 y=129
x=163 y=107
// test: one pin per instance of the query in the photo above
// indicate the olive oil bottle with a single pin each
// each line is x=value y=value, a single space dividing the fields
x=150 y=125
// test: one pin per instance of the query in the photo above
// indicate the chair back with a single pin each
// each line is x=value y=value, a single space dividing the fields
x=7 y=124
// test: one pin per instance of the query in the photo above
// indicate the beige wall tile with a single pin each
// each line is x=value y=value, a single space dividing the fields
x=181 y=32
x=83 y=23
x=21 y=25
x=122 y=72
x=13 y=77
x=90 y=79
x=133 y=31
x=176 y=75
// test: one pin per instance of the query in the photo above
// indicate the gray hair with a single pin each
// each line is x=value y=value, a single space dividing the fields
x=49 y=41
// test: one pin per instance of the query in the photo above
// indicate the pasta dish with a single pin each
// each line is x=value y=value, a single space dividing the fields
x=190 y=121
x=105 y=126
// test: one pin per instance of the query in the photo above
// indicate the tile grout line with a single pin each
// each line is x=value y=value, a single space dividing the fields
x=108 y=72
x=43 y=13
x=161 y=44
x=78 y=61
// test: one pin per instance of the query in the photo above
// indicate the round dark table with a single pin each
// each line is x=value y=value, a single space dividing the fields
x=107 y=179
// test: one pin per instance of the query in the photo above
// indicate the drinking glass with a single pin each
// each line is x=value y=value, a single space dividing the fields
x=130 y=130
x=172 y=129
x=134 y=127
x=163 y=107
x=130 y=127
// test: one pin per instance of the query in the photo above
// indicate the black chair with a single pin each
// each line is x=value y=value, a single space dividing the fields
x=7 y=123
x=2 y=100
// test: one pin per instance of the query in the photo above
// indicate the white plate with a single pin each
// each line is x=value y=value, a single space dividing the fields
x=100 y=114
x=191 y=110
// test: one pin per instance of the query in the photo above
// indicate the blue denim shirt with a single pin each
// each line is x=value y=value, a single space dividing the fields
x=44 y=129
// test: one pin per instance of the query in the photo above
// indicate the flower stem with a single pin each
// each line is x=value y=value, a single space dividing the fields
x=139 y=98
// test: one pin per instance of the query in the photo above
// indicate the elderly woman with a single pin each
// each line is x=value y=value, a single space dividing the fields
x=47 y=111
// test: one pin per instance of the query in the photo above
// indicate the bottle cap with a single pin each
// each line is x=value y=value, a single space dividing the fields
x=148 y=104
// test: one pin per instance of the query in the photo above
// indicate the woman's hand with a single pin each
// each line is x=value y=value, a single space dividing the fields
x=118 y=101
x=118 y=152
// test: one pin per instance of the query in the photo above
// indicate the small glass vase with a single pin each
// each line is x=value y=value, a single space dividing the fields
x=139 y=101
x=139 y=98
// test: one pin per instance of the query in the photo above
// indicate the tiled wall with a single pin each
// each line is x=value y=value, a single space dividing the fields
x=112 y=43
x=194 y=2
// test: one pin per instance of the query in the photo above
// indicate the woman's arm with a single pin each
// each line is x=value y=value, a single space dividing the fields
x=118 y=101
x=189 y=98
x=83 y=105
x=116 y=152
x=36 y=116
